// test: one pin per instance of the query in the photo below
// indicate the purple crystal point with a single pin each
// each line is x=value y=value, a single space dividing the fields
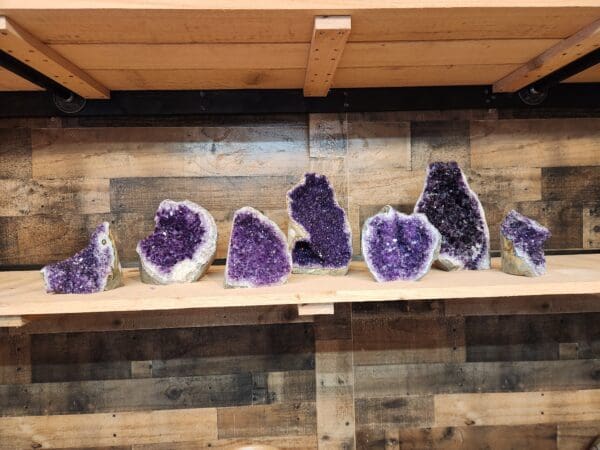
x=258 y=254
x=522 y=242
x=183 y=244
x=319 y=232
x=454 y=209
x=96 y=268
x=399 y=247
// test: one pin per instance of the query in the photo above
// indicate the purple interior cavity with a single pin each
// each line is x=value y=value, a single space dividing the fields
x=527 y=235
x=314 y=207
x=178 y=233
x=258 y=252
x=400 y=246
x=451 y=207
x=86 y=271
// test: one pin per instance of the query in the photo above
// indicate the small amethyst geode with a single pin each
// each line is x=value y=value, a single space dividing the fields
x=399 y=247
x=96 y=268
x=454 y=209
x=319 y=233
x=522 y=245
x=182 y=246
x=258 y=254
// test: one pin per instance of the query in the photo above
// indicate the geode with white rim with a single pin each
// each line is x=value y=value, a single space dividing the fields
x=455 y=210
x=96 y=268
x=258 y=254
x=319 y=233
x=182 y=246
x=522 y=245
x=397 y=246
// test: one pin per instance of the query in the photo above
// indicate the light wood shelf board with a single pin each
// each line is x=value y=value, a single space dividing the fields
x=22 y=293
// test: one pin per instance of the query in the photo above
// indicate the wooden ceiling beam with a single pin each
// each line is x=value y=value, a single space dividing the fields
x=25 y=47
x=557 y=56
x=327 y=45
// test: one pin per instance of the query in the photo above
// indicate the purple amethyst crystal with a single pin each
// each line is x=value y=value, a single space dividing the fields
x=399 y=247
x=319 y=232
x=96 y=268
x=522 y=241
x=258 y=254
x=454 y=209
x=183 y=244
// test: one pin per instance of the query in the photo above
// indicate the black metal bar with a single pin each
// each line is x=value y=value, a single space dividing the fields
x=15 y=66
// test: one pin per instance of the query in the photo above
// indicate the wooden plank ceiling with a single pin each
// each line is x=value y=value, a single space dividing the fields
x=134 y=45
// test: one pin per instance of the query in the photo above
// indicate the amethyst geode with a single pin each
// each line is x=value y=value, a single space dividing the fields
x=522 y=245
x=454 y=209
x=183 y=244
x=96 y=268
x=319 y=233
x=399 y=247
x=258 y=254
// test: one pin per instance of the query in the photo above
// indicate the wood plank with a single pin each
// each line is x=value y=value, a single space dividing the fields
x=439 y=141
x=535 y=143
x=557 y=56
x=315 y=309
x=164 y=152
x=591 y=228
x=106 y=429
x=13 y=321
x=577 y=435
x=22 y=292
x=450 y=378
x=15 y=359
x=402 y=411
x=116 y=395
x=54 y=196
x=294 y=55
x=580 y=185
x=28 y=49
x=327 y=135
x=283 y=419
x=164 y=319
x=263 y=443
x=15 y=152
x=328 y=40
x=292 y=22
x=476 y=438
x=11 y=82
x=511 y=408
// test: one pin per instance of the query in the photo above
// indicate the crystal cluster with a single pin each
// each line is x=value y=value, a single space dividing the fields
x=96 y=268
x=258 y=254
x=454 y=209
x=522 y=245
x=399 y=247
x=182 y=246
x=319 y=232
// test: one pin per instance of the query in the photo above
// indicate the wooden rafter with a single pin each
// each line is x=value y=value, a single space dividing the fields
x=557 y=56
x=328 y=41
x=25 y=47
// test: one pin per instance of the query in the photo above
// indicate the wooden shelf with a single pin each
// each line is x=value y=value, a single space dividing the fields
x=175 y=44
x=22 y=294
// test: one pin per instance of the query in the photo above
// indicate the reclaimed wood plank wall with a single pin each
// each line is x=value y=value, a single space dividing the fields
x=454 y=374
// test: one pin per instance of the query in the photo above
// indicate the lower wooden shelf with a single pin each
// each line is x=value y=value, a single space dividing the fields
x=22 y=293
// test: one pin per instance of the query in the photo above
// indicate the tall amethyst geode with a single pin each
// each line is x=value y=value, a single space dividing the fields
x=399 y=247
x=96 y=268
x=522 y=245
x=319 y=233
x=454 y=209
x=258 y=254
x=182 y=246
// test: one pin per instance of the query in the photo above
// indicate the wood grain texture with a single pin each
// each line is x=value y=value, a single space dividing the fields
x=12 y=83
x=439 y=141
x=15 y=153
x=576 y=435
x=535 y=143
x=580 y=185
x=591 y=228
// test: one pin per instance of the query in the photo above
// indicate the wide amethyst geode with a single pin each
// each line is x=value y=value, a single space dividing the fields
x=454 y=209
x=399 y=247
x=319 y=233
x=258 y=254
x=522 y=245
x=182 y=246
x=96 y=268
